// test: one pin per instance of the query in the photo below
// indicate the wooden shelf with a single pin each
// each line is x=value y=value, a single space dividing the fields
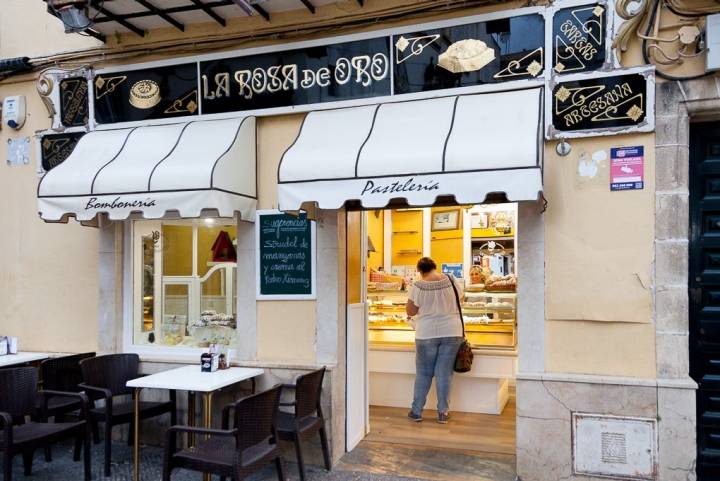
x=406 y=232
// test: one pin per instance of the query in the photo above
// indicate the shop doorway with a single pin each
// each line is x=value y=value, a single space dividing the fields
x=704 y=286
x=477 y=244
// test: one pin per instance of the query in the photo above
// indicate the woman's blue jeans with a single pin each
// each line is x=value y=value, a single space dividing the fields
x=434 y=357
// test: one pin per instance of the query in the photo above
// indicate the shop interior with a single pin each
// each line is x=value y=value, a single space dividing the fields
x=477 y=244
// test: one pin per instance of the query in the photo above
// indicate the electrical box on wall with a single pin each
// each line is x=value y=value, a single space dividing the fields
x=712 y=39
x=13 y=111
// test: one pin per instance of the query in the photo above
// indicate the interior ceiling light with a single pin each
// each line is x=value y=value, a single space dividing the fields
x=73 y=13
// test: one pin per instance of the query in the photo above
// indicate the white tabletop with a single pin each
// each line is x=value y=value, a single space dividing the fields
x=191 y=378
x=22 y=358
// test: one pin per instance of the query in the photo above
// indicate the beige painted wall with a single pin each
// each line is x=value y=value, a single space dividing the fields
x=599 y=244
x=599 y=257
x=286 y=331
x=20 y=17
x=48 y=272
x=602 y=348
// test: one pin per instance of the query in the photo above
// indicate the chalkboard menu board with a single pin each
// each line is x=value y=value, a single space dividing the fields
x=286 y=256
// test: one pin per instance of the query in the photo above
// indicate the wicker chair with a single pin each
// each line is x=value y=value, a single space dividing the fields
x=232 y=453
x=105 y=378
x=18 y=396
x=308 y=417
x=61 y=374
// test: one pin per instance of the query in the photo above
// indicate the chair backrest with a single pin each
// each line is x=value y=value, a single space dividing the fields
x=63 y=373
x=255 y=417
x=18 y=391
x=111 y=372
x=308 y=389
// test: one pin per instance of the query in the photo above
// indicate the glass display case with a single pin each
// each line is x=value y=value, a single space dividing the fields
x=490 y=318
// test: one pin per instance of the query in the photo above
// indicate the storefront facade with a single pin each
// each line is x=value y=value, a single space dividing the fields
x=601 y=358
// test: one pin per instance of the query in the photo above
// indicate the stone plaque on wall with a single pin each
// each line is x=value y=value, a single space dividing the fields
x=613 y=446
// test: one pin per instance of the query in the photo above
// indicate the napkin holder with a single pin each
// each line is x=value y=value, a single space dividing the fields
x=209 y=362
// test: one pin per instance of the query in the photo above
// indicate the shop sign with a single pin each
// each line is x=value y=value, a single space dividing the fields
x=600 y=103
x=579 y=35
x=472 y=54
x=286 y=256
x=344 y=71
x=74 y=102
x=627 y=168
x=55 y=148
x=163 y=92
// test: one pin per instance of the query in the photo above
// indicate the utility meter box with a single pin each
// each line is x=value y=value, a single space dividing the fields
x=712 y=39
x=13 y=111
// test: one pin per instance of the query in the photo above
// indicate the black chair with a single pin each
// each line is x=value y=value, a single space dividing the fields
x=18 y=400
x=232 y=453
x=61 y=374
x=105 y=378
x=308 y=417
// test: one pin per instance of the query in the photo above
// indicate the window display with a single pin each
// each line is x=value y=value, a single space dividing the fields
x=186 y=294
x=478 y=250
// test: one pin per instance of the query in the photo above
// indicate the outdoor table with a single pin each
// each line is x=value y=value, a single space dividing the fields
x=192 y=380
x=22 y=358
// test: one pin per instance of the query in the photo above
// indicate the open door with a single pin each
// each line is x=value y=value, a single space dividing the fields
x=357 y=424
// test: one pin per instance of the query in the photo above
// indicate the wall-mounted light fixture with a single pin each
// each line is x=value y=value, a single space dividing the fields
x=73 y=13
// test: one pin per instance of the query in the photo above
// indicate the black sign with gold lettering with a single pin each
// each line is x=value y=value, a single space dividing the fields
x=56 y=148
x=619 y=101
x=157 y=93
x=74 y=102
x=328 y=73
x=471 y=54
x=579 y=38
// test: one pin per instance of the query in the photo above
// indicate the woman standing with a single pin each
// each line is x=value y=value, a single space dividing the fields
x=438 y=335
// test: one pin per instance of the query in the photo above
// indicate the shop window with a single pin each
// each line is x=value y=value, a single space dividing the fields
x=185 y=283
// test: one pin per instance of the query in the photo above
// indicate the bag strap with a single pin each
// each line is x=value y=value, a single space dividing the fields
x=457 y=301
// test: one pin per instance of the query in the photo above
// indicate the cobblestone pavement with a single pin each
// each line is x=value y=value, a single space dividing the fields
x=368 y=462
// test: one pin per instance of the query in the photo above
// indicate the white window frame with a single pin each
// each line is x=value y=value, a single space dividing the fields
x=156 y=350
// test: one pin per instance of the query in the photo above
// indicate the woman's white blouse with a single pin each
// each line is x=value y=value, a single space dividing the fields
x=438 y=314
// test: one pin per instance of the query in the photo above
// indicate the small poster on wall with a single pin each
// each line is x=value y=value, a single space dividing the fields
x=627 y=168
x=454 y=269
x=286 y=259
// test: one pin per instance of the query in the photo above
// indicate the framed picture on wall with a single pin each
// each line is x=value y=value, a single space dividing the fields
x=446 y=220
x=479 y=220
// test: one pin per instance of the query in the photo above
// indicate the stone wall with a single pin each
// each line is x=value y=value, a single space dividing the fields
x=547 y=401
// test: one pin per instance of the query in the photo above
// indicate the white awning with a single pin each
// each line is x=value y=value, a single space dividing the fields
x=186 y=170
x=466 y=146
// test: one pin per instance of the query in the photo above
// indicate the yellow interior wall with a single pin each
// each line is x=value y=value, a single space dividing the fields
x=48 y=272
x=446 y=246
x=177 y=250
x=354 y=260
x=601 y=348
x=286 y=331
x=407 y=235
x=376 y=232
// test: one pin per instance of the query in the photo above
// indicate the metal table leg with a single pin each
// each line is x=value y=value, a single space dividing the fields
x=191 y=417
x=207 y=414
x=136 y=440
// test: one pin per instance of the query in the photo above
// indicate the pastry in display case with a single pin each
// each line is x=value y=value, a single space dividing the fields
x=489 y=315
x=213 y=328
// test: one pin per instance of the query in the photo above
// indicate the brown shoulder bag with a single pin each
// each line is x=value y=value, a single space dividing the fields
x=464 y=357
